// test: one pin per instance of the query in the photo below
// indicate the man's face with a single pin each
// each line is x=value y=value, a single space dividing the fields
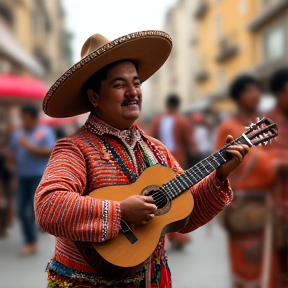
x=250 y=98
x=120 y=96
x=28 y=121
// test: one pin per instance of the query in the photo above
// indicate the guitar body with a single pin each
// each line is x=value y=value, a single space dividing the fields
x=119 y=254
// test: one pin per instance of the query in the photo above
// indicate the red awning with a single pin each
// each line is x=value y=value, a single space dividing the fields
x=18 y=87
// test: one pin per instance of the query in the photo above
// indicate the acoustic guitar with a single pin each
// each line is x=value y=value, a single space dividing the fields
x=126 y=253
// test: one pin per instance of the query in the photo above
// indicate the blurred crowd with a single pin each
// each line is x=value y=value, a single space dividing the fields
x=256 y=222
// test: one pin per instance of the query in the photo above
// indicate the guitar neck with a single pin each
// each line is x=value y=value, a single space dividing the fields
x=195 y=174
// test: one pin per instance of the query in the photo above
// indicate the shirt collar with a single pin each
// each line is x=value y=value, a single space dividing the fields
x=99 y=127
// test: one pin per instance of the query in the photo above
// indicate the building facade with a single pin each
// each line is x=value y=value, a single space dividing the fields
x=236 y=37
x=34 y=39
x=216 y=40
x=176 y=75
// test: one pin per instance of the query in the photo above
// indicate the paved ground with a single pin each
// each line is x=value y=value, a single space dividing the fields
x=202 y=264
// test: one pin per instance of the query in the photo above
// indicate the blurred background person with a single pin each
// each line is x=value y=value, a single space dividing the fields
x=204 y=134
x=278 y=150
x=5 y=187
x=32 y=144
x=245 y=218
x=175 y=131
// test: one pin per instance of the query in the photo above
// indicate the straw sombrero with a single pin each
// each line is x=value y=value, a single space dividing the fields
x=149 y=50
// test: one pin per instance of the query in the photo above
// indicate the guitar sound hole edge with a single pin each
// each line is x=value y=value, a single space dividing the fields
x=151 y=190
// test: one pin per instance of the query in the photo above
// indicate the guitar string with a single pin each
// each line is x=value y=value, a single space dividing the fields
x=168 y=193
x=192 y=174
x=162 y=195
x=219 y=155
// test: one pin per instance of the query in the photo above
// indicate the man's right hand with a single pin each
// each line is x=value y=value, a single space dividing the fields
x=137 y=209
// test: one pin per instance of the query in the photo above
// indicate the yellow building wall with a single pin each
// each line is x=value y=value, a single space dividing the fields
x=23 y=25
x=235 y=15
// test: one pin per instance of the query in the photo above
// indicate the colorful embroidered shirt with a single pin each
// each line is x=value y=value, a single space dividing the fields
x=100 y=155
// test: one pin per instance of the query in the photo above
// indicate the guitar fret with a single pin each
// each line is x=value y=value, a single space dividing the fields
x=177 y=179
x=194 y=175
x=196 y=166
x=186 y=179
x=181 y=179
x=167 y=191
x=172 y=189
x=205 y=167
x=221 y=156
x=210 y=163
x=215 y=159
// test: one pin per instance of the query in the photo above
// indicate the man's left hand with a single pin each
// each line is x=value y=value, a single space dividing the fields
x=238 y=151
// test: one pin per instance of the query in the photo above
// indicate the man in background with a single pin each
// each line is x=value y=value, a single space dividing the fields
x=31 y=144
x=250 y=183
x=175 y=131
x=279 y=153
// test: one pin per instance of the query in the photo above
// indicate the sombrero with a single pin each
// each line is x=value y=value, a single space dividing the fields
x=148 y=49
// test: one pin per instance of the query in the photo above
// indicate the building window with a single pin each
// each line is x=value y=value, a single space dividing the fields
x=274 y=43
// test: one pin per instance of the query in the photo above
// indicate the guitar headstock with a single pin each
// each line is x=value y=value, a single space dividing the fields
x=261 y=133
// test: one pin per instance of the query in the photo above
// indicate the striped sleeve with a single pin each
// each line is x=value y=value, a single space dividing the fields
x=60 y=208
x=210 y=197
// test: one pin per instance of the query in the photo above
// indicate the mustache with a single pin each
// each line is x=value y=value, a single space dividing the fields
x=127 y=101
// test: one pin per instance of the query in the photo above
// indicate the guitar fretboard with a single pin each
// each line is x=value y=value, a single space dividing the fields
x=195 y=174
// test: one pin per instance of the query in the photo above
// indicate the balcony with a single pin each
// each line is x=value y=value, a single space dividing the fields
x=202 y=75
x=201 y=10
x=227 y=49
x=267 y=14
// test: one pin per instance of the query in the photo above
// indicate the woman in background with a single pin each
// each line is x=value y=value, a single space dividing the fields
x=245 y=219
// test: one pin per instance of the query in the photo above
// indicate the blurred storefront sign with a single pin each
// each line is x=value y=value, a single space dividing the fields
x=11 y=49
x=15 y=89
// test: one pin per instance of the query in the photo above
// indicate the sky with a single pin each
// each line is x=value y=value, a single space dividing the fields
x=112 y=18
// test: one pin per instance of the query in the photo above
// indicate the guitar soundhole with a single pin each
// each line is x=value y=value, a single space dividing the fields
x=160 y=199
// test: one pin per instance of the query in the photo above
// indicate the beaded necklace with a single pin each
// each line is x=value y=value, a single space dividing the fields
x=130 y=138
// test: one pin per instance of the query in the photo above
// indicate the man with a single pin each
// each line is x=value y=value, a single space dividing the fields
x=111 y=150
x=250 y=183
x=32 y=146
x=175 y=132
x=279 y=152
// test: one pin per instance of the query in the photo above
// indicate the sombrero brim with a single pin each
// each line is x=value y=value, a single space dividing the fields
x=149 y=49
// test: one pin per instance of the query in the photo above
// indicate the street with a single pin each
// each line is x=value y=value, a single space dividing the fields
x=202 y=264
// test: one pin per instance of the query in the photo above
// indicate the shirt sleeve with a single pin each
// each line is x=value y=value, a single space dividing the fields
x=60 y=207
x=210 y=197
